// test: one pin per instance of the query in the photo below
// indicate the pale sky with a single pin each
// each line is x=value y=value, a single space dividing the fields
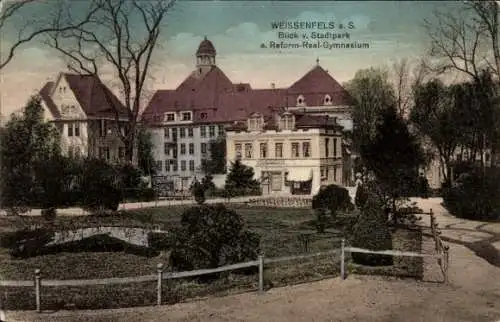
x=237 y=29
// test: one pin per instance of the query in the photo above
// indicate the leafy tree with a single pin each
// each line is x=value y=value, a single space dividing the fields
x=435 y=117
x=394 y=156
x=217 y=162
x=327 y=202
x=207 y=182
x=198 y=192
x=145 y=148
x=24 y=141
x=372 y=232
x=240 y=179
x=211 y=236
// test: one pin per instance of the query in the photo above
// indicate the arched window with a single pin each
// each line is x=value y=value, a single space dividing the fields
x=327 y=100
x=301 y=100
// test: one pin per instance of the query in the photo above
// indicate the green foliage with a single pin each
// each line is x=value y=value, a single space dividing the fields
x=372 y=232
x=145 y=152
x=217 y=162
x=198 y=191
x=211 y=236
x=240 y=181
x=394 y=156
x=475 y=195
x=327 y=202
x=24 y=142
x=207 y=182
x=99 y=186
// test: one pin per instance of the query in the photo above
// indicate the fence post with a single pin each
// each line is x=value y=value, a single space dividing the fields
x=446 y=263
x=261 y=273
x=37 y=290
x=342 y=259
x=159 y=269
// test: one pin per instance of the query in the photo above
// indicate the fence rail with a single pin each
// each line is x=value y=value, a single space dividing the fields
x=442 y=256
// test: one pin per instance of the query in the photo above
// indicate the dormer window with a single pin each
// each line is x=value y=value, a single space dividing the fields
x=287 y=122
x=301 y=100
x=169 y=117
x=255 y=123
x=327 y=100
x=186 y=116
x=203 y=115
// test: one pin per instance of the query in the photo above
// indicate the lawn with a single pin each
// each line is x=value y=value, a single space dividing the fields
x=282 y=231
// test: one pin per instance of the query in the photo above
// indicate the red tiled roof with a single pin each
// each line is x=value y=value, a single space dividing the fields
x=94 y=97
x=315 y=85
x=213 y=80
x=45 y=95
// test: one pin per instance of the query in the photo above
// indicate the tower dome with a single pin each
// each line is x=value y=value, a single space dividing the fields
x=206 y=48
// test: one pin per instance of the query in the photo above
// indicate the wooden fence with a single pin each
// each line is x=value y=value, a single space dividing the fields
x=160 y=275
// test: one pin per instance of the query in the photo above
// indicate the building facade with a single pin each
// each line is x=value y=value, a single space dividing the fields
x=290 y=153
x=186 y=121
x=83 y=110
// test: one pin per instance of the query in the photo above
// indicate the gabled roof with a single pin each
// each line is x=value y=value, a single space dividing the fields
x=315 y=84
x=45 y=94
x=95 y=98
x=92 y=95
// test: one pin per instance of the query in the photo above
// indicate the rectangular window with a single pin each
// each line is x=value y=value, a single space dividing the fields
x=182 y=132
x=77 y=129
x=174 y=133
x=248 y=150
x=278 y=150
x=70 y=129
x=174 y=151
x=183 y=148
x=306 y=149
x=190 y=132
x=203 y=148
x=295 y=150
x=186 y=116
x=237 y=149
x=170 y=117
x=327 y=148
x=191 y=165
x=191 y=148
x=121 y=153
x=211 y=130
x=334 y=148
x=166 y=148
x=183 y=165
x=263 y=150
x=174 y=166
x=221 y=130
x=167 y=165
x=203 y=131
x=166 y=132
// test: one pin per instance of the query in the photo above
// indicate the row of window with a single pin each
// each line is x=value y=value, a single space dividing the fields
x=295 y=150
x=189 y=131
x=172 y=149
x=104 y=128
x=174 y=165
x=286 y=122
x=185 y=116
x=301 y=101
x=105 y=154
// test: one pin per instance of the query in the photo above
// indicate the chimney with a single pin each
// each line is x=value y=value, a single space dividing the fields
x=273 y=86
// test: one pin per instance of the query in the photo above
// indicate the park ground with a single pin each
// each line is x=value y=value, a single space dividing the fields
x=473 y=293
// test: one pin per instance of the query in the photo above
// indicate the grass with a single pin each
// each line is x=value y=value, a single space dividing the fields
x=280 y=229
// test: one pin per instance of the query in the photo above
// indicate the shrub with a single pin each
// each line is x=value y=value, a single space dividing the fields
x=211 y=236
x=372 y=232
x=327 y=202
x=474 y=195
x=99 y=186
x=198 y=192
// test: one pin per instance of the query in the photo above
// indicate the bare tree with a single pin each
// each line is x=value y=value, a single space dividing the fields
x=30 y=29
x=466 y=40
x=118 y=39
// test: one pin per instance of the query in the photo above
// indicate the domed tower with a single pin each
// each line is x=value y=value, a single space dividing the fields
x=205 y=56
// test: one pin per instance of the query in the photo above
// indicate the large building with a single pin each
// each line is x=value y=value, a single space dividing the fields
x=290 y=152
x=184 y=121
x=84 y=111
